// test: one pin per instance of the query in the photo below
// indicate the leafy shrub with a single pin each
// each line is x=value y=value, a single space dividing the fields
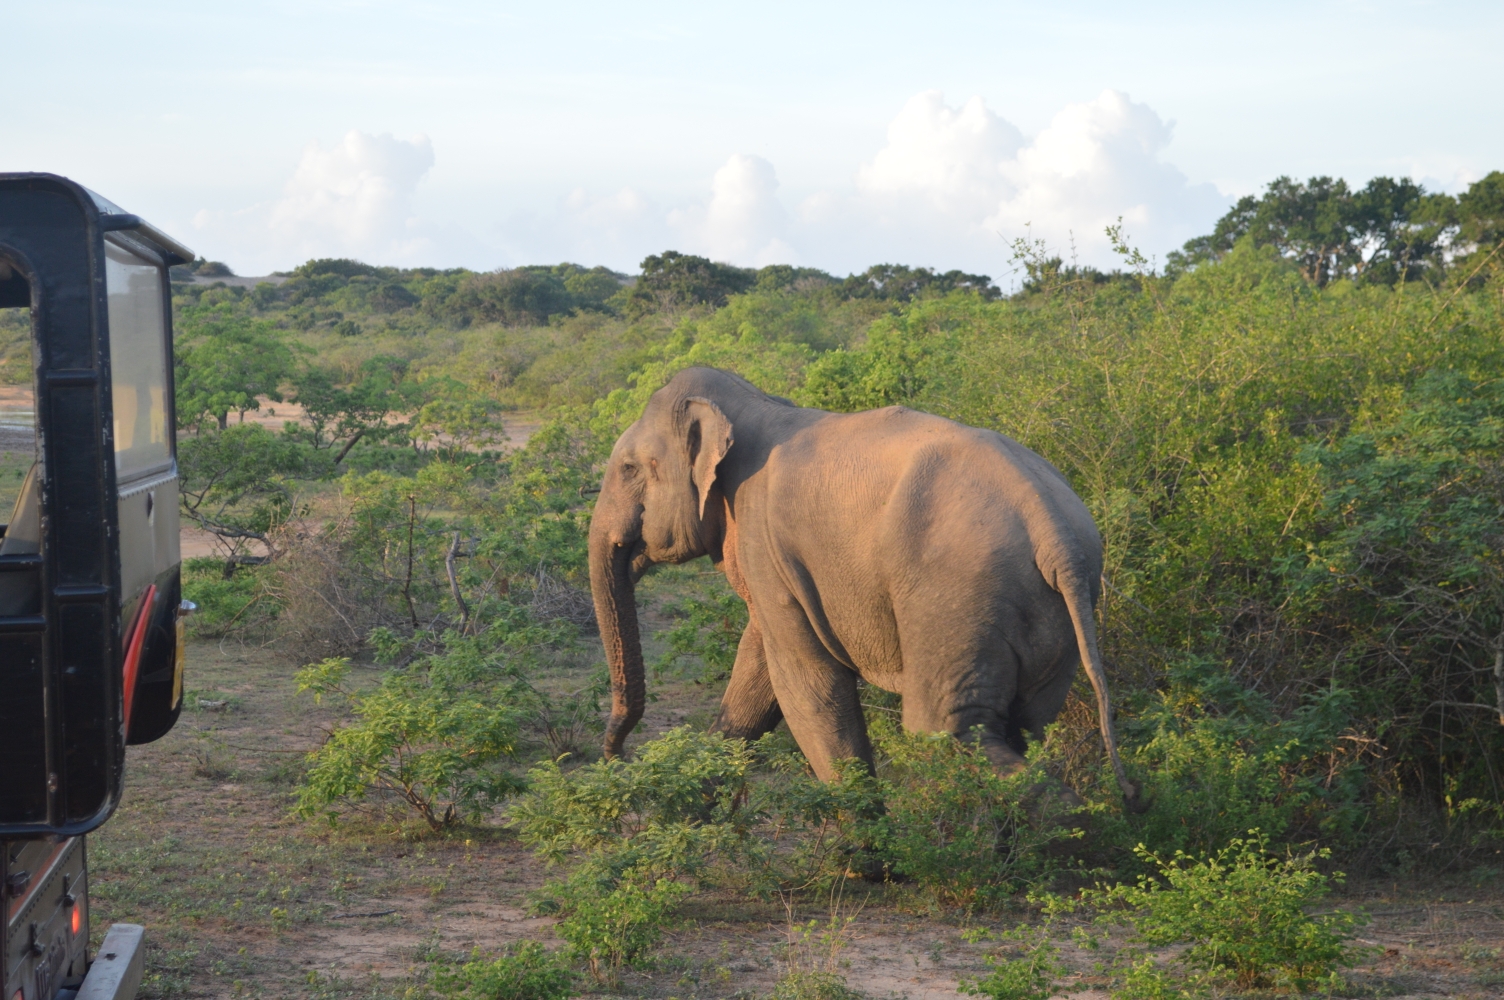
x=524 y=972
x=615 y=919
x=688 y=810
x=437 y=733
x=225 y=604
x=1410 y=570
x=698 y=807
x=1242 y=913
x=1216 y=759
x=807 y=985
x=1026 y=968
x=669 y=810
x=709 y=629
x=956 y=827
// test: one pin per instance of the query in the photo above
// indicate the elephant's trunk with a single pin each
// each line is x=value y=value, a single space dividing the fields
x=616 y=612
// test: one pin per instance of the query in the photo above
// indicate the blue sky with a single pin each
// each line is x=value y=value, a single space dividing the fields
x=830 y=135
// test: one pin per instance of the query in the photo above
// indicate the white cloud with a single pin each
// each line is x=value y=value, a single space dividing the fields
x=952 y=186
x=353 y=199
x=948 y=188
x=1094 y=163
x=950 y=159
x=743 y=221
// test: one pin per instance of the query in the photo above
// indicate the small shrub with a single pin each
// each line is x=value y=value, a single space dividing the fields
x=328 y=609
x=688 y=810
x=1242 y=914
x=438 y=733
x=636 y=829
x=524 y=972
x=955 y=826
x=1216 y=759
x=1027 y=968
x=806 y=985
x=213 y=760
x=812 y=958
x=226 y=604
x=709 y=630
x=672 y=805
x=612 y=920
x=570 y=724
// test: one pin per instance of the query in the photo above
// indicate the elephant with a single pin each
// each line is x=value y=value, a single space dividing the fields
x=948 y=564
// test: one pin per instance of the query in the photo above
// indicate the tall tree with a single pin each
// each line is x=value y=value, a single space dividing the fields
x=340 y=416
x=1389 y=230
x=673 y=281
x=227 y=362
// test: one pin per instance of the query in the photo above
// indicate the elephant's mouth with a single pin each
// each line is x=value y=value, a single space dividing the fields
x=640 y=561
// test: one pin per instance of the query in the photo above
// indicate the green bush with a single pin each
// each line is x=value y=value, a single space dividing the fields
x=1241 y=912
x=1215 y=759
x=692 y=806
x=675 y=803
x=806 y=985
x=703 y=809
x=612 y=919
x=1028 y=967
x=635 y=830
x=954 y=826
x=691 y=809
x=709 y=630
x=524 y=972
x=1410 y=570
x=438 y=733
x=225 y=604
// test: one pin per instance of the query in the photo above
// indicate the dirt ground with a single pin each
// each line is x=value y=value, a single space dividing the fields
x=241 y=899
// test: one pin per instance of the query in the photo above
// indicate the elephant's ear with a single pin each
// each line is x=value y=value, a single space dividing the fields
x=707 y=433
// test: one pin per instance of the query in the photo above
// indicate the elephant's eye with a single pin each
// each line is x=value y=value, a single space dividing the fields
x=628 y=470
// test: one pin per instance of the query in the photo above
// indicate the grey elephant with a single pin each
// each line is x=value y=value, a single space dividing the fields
x=948 y=564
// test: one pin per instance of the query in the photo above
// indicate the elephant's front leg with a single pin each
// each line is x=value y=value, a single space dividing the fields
x=749 y=709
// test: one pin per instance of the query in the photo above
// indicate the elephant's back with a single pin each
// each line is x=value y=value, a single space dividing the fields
x=892 y=509
x=900 y=470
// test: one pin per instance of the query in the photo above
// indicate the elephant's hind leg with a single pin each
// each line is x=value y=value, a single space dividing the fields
x=818 y=694
x=749 y=709
x=954 y=683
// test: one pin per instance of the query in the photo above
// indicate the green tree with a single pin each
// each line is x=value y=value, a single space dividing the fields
x=225 y=362
x=1480 y=212
x=239 y=483
x=672 y=282
x=895 y=282
x=338 y=417
x=1389 y=230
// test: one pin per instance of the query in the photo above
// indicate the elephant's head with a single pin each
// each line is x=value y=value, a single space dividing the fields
x=651 y=509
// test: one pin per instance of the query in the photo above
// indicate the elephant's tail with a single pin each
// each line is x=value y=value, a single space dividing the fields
x=1077 y=596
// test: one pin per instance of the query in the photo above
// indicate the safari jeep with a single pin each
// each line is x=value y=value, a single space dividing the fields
x=91 y=631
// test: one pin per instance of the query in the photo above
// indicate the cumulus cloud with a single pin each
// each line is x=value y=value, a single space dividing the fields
x=953 y=185
x=355 y=197
x=1094 y=163
x=950 y=159
x=352 y=199
x=948 y=187
x=743 y=221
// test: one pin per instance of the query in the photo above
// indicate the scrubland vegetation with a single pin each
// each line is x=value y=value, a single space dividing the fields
x=1291 y=437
